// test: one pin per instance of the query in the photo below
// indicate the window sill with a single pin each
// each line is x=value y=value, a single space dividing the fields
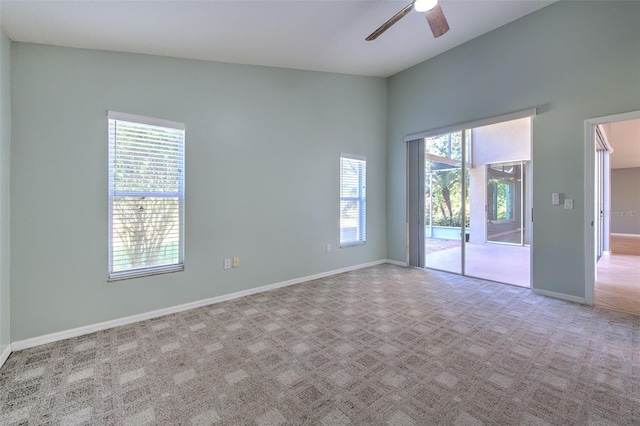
x=356 y=243
x=144 y=272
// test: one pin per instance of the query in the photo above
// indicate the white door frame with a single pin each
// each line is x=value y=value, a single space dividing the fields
x=589 y=197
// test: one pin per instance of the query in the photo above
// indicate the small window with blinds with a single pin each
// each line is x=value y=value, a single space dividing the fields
x=146 y=196
x=353 y=200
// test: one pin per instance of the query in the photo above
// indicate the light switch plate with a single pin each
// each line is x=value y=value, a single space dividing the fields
x=555 y=198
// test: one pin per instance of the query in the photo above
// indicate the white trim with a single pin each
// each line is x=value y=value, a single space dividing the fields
x=140 y=119
x=529 y=112
x=5 y=354
x=353 y=156
x=144 y=272
x=352 y=244
x=561 y=296
x=589 y=197
x=530 y=226
x=61 y=335
x=397 y=262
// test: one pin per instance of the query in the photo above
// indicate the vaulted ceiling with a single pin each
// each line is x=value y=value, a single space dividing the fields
x=321 y=35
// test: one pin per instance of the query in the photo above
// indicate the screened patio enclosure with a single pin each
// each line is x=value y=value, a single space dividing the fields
x=476 y=201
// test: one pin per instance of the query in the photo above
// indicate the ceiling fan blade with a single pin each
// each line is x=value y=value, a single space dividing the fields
x=395 y=18
x=437 y=21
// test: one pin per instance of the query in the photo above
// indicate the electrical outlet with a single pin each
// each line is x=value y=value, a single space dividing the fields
x=227 y=264
x=236 y=262
x=568 y=204
x=328 y=248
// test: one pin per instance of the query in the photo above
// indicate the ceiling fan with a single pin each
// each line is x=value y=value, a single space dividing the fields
x=431 y=9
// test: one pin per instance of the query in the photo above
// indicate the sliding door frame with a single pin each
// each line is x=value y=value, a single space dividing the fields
x=525 y=113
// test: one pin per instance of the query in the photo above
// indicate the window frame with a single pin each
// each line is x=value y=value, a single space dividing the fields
x=361 y=198
x=111 y=193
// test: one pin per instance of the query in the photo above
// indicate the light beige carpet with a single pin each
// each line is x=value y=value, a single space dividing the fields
x=382 y=345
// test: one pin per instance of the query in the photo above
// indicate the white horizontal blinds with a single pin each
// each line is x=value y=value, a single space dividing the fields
x=353 y=199
x=146 y=196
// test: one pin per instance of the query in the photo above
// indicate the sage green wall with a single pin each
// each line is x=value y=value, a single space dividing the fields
x=5 y=155
x=574 y=61
x=262 y=157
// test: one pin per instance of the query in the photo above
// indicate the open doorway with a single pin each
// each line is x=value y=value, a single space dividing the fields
x=613 y=241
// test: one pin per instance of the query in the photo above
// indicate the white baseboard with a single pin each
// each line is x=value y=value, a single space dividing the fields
x=61 y=335
x=5 y=354
x=561 y=296
x=397 y=262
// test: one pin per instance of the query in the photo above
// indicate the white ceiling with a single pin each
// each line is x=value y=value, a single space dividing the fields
x=321 y=35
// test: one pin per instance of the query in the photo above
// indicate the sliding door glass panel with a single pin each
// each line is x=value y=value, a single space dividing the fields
x=443 y=202
x=502 y=256
x=505 y=203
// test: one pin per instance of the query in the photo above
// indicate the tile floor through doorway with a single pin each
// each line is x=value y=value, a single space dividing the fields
x=618 y=283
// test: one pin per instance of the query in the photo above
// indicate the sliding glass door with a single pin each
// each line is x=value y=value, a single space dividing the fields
x=444 y=206
x=506 y=202
x=469 y=207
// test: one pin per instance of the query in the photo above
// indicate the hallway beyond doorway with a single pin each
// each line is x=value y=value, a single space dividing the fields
x=618 y=283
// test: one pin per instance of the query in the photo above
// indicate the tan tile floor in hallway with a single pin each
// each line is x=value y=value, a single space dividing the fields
x=618 y=283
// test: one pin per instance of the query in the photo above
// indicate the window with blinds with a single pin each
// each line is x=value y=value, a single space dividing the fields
x=146 y=196
x=353 y=200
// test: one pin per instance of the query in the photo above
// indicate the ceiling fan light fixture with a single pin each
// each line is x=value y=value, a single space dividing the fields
x=432 y=11
x=424 y=5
